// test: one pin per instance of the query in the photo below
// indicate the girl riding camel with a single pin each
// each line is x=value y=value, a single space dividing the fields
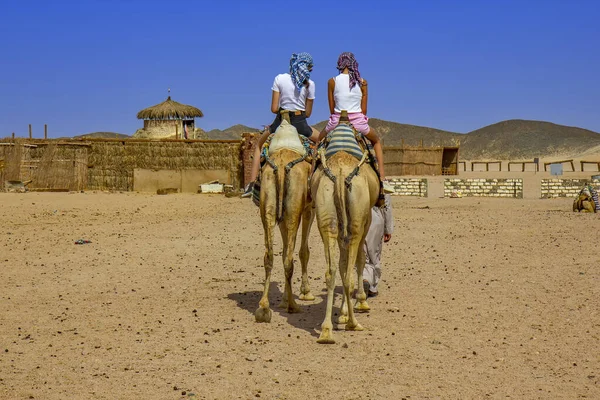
x=294 y=92
x=348 y=91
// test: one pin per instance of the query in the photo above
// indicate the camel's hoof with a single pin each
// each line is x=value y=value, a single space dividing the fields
x=294 y=309
x=326 y=336
x=325 y=340
x=362 y=307
x=263 y=314
x=357 y=327
x=307 y=297
x=342 y=319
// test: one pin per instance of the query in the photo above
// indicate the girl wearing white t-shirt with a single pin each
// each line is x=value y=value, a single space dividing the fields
x=295 y=92
x=348 y=91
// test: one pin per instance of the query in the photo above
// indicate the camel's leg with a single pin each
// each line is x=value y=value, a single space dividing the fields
x=589 y=206
x=284 y=297
x=353 y=249
x=361 y=304
x=326 y=336
x=263 y=312
x=289 y=229
x=307 y=220
x=343 y=318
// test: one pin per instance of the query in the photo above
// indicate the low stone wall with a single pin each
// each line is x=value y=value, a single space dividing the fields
x=565 y=187
x=477 y=187
x=409 y=186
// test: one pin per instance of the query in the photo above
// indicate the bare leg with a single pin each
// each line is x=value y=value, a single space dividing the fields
x=315 y=135
x=256 y=156
x=322 y=135
x=372 y=136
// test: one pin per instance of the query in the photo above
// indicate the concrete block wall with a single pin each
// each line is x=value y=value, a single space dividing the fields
x=479 y=187
x=565 y=187
x=409 y=186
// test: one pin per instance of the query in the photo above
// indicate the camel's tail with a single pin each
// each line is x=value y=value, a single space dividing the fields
x=340 y=197
x=281 y=191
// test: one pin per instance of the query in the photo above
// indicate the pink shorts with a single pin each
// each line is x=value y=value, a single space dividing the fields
x=358 y=120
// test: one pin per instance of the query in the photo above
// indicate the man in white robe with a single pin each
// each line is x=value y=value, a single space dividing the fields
x=382 y=226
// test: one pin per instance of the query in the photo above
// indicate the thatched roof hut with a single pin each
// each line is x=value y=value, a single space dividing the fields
x=170 y=109
x=169 y=119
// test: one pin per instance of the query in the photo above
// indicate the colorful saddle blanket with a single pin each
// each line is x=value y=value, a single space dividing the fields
x=285 y=137
x=591 y=192
x=343 y=138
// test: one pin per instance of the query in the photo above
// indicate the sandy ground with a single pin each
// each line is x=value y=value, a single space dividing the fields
x=482 y=298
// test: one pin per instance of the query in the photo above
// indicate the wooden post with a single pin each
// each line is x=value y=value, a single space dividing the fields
x=29 y=131
x=45 y=131
x=176 y=130
x=13 y=136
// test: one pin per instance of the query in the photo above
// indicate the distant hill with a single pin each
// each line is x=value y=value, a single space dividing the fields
x=104 y=135
x=231 y=133
x=523 y=139
x=511 y=139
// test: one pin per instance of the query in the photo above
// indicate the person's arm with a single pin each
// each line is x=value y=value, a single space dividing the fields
x=275 y=96
x=309 y=107
x=330 y=98
x=275 y=102
x=365 y=97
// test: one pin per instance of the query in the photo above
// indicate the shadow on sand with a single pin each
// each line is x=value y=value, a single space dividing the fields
x=309 y=320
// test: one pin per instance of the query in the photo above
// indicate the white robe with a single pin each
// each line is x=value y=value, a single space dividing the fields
x=382 y=223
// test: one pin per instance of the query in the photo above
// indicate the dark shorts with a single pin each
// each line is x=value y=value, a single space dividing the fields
x=298 y=121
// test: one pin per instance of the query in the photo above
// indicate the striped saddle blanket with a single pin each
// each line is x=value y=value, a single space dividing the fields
x=591 y=192
x=342 y=139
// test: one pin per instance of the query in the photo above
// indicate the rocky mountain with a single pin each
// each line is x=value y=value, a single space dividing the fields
x=231 y=133
x=524 y=139
x=511 y=139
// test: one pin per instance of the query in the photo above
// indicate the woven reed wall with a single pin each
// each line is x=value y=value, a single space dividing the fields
x=108 y=164
x=111 y=163
x=412 y=160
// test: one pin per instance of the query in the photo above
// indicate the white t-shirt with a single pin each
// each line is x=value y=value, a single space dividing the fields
x=346 y=98
x=290 y=98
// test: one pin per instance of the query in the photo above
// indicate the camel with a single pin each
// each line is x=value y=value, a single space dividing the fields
x=586 y=200
x=584 y=203
x=354 y=188
x=284 y=202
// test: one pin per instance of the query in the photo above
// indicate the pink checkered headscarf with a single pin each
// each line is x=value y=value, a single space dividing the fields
x=347 y=60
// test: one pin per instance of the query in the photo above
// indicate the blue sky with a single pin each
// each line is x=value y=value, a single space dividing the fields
x=85 y=66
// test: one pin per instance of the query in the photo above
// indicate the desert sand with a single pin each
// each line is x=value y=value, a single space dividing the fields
x=481 y=298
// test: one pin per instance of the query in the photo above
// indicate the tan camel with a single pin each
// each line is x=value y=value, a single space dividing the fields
x=343 y=200
x=284 y=202
x=585 y=200
x=584 y=203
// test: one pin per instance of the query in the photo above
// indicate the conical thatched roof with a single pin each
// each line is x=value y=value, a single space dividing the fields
x=170 y=109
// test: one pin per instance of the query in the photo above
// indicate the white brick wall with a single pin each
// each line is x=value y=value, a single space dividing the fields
x=551 y=188
x=479 y=187
x=409 y=186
